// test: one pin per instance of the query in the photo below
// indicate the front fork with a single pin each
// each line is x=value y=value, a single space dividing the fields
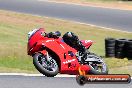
x=45 y=53
x=48 y=57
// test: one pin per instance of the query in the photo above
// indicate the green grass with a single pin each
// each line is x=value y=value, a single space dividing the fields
x=13 y=39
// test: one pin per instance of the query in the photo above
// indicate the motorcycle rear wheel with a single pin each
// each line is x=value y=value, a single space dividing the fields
x=96 y=70
x=41 y=65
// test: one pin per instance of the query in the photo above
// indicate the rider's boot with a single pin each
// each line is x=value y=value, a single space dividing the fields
x=83 y=51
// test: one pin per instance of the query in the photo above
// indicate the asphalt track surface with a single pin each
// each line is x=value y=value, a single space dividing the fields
x=50 y=82
x=111 y=18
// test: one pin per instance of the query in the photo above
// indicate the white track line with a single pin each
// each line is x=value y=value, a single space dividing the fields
x=71 y=3
x=26 y=74
x=32 y=75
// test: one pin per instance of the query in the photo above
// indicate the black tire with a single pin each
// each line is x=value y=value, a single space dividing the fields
x=110 y=51
x=120 y=48
x=117 y=49
x=128 y=45
x=129 y=50
x=120 y=55
x=41 y=69
x=109 y=44
x=110 y=55
x=94 y=71
x=129 y=55
x=119 y=45
x=121 y=41
x=110 y=47
x=129 y=42
x=110 y=41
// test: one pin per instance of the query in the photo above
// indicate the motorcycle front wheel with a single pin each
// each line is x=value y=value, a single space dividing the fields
x=47 y=68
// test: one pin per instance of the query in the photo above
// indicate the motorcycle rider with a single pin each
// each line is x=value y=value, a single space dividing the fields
x=71 y=39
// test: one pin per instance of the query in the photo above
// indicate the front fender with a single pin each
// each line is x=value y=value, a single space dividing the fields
x=44 y=52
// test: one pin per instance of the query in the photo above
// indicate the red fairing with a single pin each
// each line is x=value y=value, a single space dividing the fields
x=69 y=64
x=87 y=43
x=33 y=41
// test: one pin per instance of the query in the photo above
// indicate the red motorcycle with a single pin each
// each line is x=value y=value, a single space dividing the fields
x=52 y=56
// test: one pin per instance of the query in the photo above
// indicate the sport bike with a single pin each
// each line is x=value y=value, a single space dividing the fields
x=52 y=56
